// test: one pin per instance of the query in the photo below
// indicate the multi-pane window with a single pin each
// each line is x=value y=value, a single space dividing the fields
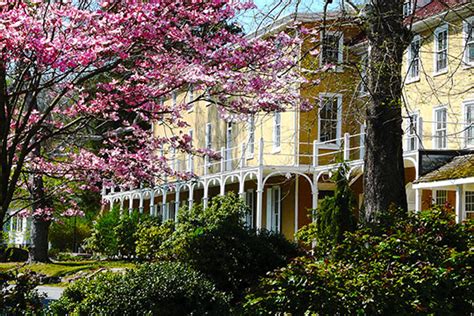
x=407 y=8
x=469 y=204
x=469 y=41
x=331 y=49
x=441 y=48
x=469 y=108
x=251 y=138
x=277 y=130
x=441 y=197
x=412 y=132
x=414 y=58
x=273 y=209
x=329 y=118
x=440 y=126
x=208 y=135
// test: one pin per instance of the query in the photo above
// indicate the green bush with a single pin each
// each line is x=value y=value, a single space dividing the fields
x=167 y=288
x=412 y=264
x=22 y=298
x=150 y=236
x=114 y=234
x=216 y=242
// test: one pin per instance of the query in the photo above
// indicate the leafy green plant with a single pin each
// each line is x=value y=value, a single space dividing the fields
x=21 y=298
x=166 y=288
x=411 y=264
x=216 y=242
x=150 y=236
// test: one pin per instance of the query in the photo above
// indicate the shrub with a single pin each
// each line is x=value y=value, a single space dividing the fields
x=13 y=254
x=216 y=242
x=114 y=234
x=61 y=234
x=412 y=264
x=22 y=298
x=150 y=236
x=167 y=288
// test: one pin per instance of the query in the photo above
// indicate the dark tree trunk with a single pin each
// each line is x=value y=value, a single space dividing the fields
x=40 y=223
x=384 y=179
x=39 y=241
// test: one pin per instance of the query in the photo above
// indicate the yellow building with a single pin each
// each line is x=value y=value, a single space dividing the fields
x=280 y=163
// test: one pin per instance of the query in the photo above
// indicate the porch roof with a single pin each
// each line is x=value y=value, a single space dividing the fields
x=459 y=170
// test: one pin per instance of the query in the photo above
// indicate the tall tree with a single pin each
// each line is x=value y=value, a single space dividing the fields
x=71 y=69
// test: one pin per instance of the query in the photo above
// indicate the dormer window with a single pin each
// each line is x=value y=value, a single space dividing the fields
x=441 y=49
x=331 y=53
x=408 y=8
x=414 y=59
x=469 y=41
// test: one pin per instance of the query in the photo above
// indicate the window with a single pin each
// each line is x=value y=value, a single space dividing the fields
x=469 y=41
x=441 y=49
x=228 y=147
x=412 y=132
x=364 y=63
x=190 y=156
x=251 y=138
x=407 y=8
x=190 y=98
x=469 y=110
x=440 y=128
x=441 y=197
x=414 y=58
x=469 y=204
x=273 y=209
x=330 y=118
x=331 y=52
x=249 y=200
x=175 y=99
x=208 y=135
x=277 y=131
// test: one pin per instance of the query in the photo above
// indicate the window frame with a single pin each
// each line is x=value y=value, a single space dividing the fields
x=435 y=127
x=439 y=30
x=208 y=138
x=409 y=131
x=276 y=132
x=410 y=59
x=436 y=197
x=273 y=223
x=362 y=89
x=469 y=20
x=337 y=142
x=468 y=195
x=468 y=104
x=340 y=49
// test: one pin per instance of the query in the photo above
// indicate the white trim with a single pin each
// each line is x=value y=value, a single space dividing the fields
x=409 y=78
x=337 y=142
x=434 y=129
x=438 y=30
x=464 y=111
x=443 y=183
x=469 y=20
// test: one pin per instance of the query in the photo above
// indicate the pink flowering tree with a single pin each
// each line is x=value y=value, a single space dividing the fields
x=82 y=81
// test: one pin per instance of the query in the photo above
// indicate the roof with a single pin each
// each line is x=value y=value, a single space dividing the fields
x=459 y=167
x=437 y=6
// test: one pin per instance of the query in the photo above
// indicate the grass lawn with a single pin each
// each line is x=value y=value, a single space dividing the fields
x=67 y=268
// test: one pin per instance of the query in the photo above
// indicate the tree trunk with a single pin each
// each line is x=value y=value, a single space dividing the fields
x=39 y=241
x=384 y=176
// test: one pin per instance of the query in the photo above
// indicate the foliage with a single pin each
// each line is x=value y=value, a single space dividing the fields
x=150 y=236
x=61 y=234
x=125 y=233
x=103 y=238
x=166 y=288
x=216 y=242
x=14 y=254
x=22 y=298
x=411 y=264
x=334 y=217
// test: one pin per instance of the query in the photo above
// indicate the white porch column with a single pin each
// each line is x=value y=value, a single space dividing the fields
x=191 y=196
x=130 y=204
x=165 y=207
x=222 y=190
x=121 y=205
x=297 y=187
x=111 y=202
x=176 y=204
x=459 y=203
x=205 y=194
x=417 y=200
x=152 y=203
x=315 y=192
x=140 y=206
x=259 y=219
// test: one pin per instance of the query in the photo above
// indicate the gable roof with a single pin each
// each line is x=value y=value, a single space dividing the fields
x=459 y=167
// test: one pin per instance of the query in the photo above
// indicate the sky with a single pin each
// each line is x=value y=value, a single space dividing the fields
x=270 y=9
